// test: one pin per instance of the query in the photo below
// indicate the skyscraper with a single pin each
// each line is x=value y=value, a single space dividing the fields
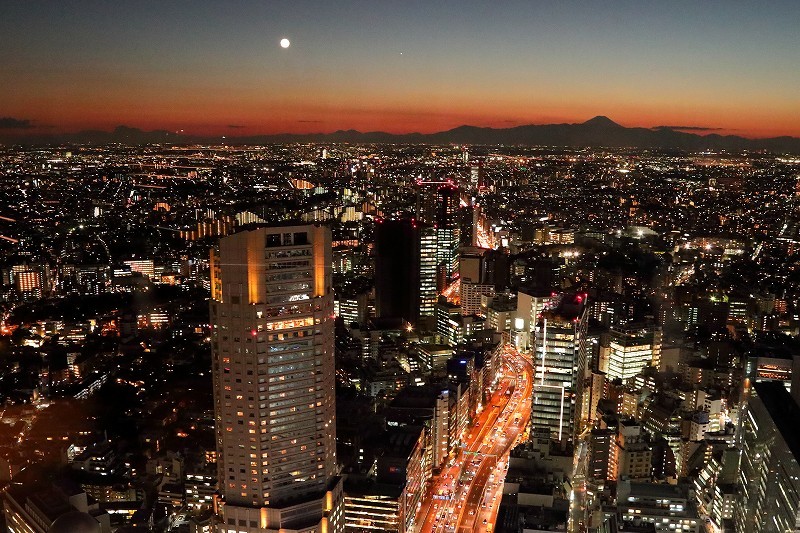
x=273 y=370
x=560 y=368
x=397 y=267
x=427 y=192
x=405 y=270
x=769 y=473
x=437 y=205
x=447 y=228
x=427 y=271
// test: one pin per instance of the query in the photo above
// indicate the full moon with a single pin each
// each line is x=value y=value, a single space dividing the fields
x=285 y=43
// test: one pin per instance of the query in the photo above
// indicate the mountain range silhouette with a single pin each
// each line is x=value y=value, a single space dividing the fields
x=599 y=131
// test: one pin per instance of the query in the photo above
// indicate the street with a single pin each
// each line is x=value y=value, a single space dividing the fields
x=466 y=496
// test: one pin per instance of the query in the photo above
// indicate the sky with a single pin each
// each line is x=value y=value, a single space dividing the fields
x=217 y=68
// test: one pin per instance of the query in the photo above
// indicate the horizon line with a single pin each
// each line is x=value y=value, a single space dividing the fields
x=33 y=131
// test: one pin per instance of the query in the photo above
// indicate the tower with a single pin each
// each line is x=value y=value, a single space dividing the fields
x=560 y=368
x=405 y=269
x=447 y=228
x=427 y=270
x=273 y=370
x=397 y=269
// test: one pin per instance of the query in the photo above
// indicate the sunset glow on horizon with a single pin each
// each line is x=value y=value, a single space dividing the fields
x=209 y=69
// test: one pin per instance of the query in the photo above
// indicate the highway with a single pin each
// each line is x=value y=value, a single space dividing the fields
x=465 y=497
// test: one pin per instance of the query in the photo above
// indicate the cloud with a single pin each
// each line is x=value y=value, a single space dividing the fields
x=235 y=126
x=9 y=123
x=686 y=128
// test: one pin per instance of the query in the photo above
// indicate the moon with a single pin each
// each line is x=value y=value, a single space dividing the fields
x=285 y=43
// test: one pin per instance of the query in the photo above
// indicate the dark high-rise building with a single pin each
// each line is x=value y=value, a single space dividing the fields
x=447 y=201
x=273 y=373
x=447 y=228
x=405 y=270
x=427 y=190
x=497 y=268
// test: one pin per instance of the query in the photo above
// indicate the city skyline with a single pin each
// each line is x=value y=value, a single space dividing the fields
x=349 y=338
x=209 y=70
x=418 y=267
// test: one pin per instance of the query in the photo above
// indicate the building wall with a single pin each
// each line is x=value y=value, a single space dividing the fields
x=427 y=271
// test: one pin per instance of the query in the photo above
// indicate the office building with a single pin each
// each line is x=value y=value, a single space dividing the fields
x=560 y=368
x=273 y=373
x=427 y=271
x=631 y=348
x=427 y=197
x=145 y=267
x=447 y=228
x=762 y=367
x=405 y=270
x=472 y=264
x=53 y=509
x=449 y=326
x=769 y=473
x=31 y=282
x=602 y=465
x=500 y=312
x=352 y=307
x=530 y=304
x=472 y=295
x=634 y=455
x=667 y=507
x=373 y=509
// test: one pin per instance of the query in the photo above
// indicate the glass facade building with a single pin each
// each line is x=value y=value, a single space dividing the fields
x=769 y=473
x=560 y=368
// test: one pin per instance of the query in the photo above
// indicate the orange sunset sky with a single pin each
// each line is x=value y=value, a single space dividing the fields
x=209 y=68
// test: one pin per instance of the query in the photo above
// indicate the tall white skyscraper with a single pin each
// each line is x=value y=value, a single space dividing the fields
x=273 y=369
x=560 y=368
x=427 y=270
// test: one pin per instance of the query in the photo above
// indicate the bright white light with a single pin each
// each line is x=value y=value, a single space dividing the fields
x=285 y=43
